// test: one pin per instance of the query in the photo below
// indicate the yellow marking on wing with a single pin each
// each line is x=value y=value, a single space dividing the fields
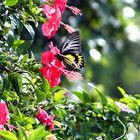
x=68 y=61
x=71 y=63
x=80 y=59
x=70 y=57
x=74 y=61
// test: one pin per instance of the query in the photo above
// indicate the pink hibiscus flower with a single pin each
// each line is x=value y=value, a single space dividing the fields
x=43 y=117
x=54 y=11
x=54 y=18
x=61 y=4
x=4 y=114
x=53 y=68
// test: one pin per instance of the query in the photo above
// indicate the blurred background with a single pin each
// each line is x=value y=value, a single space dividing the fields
x=110 y=36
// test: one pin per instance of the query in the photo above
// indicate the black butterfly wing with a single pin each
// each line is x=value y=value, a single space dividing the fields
x=72 y=44
x=70 y=51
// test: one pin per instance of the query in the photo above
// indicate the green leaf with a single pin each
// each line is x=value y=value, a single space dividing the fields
x=79 y=95
x=103 y=98
x=87 y=97
x=29 y=13
x=16 y=81
x=7 y=135
x=21 y=49
x=16 y=113
x=10 y=41
x=40 y=95
x=32 y=56
x=25 y=58
x=15 y=22
x=18 y=42
x=46 y=85
x=21 y=118
x=21 y=133
x=30 y=31
x=5 y=84
x=122 y=92
x=83 y=96
x=38 y=133
x=22 y=2
x=10 y=2
x=31 y=3
x=58 y=95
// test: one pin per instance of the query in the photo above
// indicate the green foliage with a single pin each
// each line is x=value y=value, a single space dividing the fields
x=10 y=2
x=25 y=90
x=7 y=135
x=38 y=133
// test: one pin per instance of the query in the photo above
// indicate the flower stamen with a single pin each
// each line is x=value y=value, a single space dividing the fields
x=74 y=10
x=69 y=28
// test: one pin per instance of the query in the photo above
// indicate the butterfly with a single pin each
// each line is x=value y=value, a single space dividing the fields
x=71 y=52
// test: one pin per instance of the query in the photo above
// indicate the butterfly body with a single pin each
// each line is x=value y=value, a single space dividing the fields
x=70 y=52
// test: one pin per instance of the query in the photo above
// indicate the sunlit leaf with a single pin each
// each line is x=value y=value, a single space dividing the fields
x=122 y=92
x=58 y=95
x=10 y=2
x=46 y=85
x=38 y=133
x=7 y=135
